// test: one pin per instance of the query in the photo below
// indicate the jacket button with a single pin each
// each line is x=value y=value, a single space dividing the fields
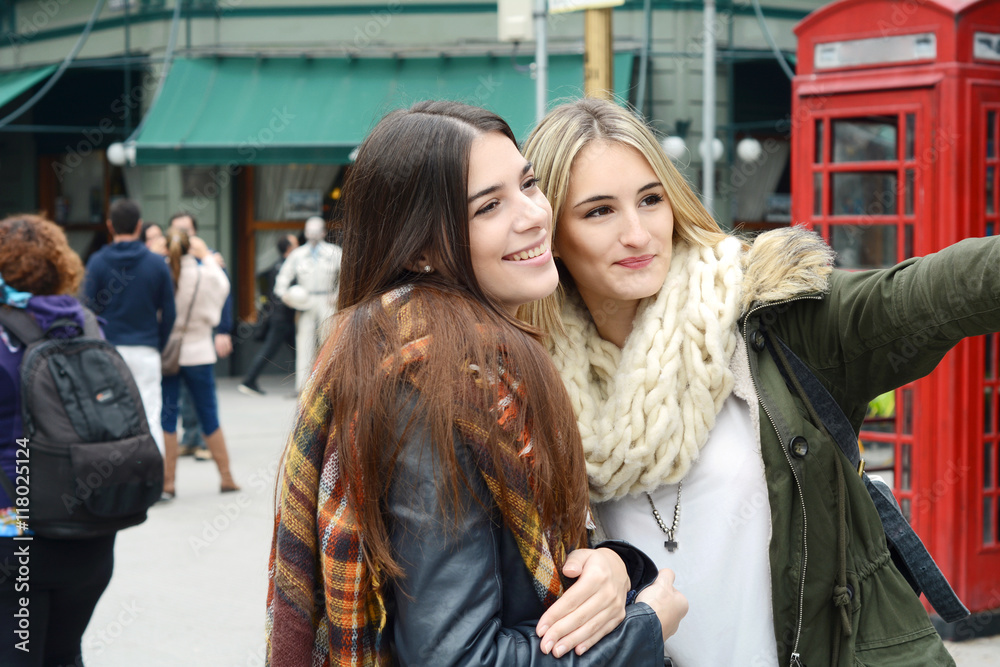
x=799 y=446
x=757 y=340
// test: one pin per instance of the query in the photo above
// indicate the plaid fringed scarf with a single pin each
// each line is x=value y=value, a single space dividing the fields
x=325 y=606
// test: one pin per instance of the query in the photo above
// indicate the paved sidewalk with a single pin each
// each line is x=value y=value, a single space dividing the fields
x=189 y=584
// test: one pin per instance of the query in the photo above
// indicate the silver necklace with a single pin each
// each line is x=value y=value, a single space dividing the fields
x=670 y=543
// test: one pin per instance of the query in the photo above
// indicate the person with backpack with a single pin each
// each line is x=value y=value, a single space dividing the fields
x=201 y=288
x=77 y=460
x=129 y=286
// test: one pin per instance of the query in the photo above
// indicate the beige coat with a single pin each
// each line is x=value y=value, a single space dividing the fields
x=198 y=346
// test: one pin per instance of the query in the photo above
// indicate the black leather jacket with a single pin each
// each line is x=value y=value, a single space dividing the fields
x=467 y=597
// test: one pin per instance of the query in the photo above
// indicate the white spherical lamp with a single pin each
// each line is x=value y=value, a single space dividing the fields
x=674 y=147
x=717 y=150
x=749 y=149
x=116 y=154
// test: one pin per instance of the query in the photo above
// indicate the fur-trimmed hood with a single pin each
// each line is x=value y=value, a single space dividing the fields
x=783 y=264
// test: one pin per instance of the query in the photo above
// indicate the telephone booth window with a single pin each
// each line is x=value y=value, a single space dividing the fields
x=865 y=184
x=818 y=158
x=865 y=203
x=991 y=388
x=864 y=139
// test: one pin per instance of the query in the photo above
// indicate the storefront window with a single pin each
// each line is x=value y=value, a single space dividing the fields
x=292 y=191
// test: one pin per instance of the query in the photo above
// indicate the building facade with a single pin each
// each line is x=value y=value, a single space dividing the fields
x=244 y=113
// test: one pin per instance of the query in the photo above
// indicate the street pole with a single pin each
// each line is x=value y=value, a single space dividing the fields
x=708 y=108
x=597 y=53
x=541 y=59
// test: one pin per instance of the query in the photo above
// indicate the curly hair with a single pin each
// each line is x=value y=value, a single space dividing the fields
x=35 y=256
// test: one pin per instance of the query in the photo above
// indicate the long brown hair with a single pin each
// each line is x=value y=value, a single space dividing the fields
x=178 y=245
x=406 y=198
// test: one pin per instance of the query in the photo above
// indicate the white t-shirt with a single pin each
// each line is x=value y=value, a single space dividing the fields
x=721 y=561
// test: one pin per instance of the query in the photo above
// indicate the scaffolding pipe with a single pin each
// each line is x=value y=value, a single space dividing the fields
x=708 y=108
x=541 y=59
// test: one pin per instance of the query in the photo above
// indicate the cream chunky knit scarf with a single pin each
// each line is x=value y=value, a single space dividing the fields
x=645 y=411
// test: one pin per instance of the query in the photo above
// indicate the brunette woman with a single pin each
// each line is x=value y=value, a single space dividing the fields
x=201 y=289
x=678 y=347
x=434 y=489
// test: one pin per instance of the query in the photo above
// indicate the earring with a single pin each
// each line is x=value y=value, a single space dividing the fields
x=427 y=268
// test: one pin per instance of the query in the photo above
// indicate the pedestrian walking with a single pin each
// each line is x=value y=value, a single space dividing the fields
x=436 y=452
x=130 y=287
x=277 y=319
x=308 y=283
x=202 y=287
x=687 y=356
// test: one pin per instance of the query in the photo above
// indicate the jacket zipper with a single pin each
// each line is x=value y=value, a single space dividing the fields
x=795 y=660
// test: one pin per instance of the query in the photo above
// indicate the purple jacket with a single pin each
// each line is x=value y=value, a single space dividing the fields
x=45 y=309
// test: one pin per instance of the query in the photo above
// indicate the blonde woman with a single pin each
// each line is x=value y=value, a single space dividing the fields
x=201 y=287
x=697 y=450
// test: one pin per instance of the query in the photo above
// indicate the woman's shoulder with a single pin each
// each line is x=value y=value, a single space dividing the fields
x=784 y=264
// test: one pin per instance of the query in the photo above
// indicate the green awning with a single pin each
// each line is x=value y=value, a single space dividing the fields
x=14 y=83
x=317 y=110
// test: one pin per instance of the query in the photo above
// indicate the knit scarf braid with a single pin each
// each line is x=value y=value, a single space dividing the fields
x=645 y=411
x=325 y=604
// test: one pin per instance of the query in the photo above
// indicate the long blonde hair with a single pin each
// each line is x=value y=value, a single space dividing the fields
x=553 y=147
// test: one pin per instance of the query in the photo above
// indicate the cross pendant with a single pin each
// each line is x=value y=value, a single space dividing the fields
x=671 y=545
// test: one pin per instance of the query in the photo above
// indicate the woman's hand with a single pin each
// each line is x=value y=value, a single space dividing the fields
x=198 y=248
x=591 y=608
x=669 y=604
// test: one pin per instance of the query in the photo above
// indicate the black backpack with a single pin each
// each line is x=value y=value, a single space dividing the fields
x=93 y=465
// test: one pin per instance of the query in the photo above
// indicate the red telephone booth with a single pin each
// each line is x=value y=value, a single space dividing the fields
x=896 y=120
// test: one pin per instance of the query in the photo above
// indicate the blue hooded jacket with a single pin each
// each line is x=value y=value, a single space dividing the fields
x=131 y=289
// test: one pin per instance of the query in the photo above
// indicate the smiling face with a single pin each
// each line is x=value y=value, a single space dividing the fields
x=509 y=224
x=615 y=230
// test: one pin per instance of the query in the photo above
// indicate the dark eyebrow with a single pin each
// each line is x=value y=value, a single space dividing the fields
x=494 y=188
x=593 y=199
x=590 y=200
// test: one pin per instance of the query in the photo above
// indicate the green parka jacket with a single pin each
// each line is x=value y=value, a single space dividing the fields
x=838 y=600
